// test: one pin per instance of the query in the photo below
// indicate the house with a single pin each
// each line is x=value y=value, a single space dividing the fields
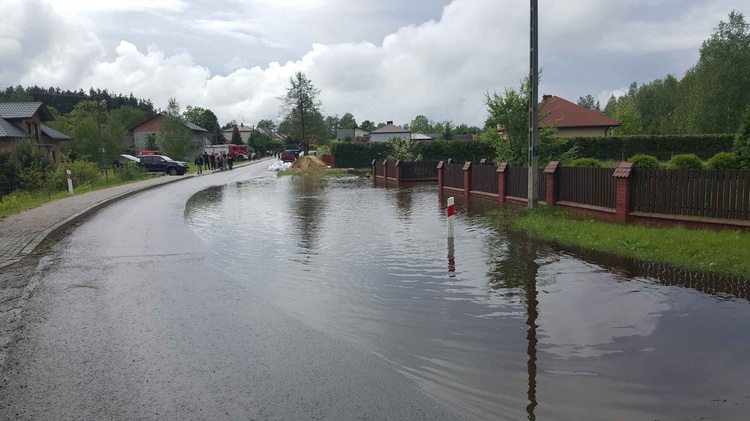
x=23 y=120
x=572 y=120
x=342 y=134
x=388 y=131
x=245 y=132
x=421 y=136
x=154 y=125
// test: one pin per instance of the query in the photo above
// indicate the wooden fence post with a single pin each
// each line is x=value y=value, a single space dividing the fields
x=623 y=174
x=552 y=188
x=502 y=181
x=385 y=172
x=374 y=176
x=440 y=175
x=467 y=178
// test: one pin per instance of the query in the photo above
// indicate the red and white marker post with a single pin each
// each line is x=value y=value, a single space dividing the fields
x=70 y=181
x=451 y=212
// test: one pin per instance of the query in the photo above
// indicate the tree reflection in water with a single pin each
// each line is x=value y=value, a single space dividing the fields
x=308 y=204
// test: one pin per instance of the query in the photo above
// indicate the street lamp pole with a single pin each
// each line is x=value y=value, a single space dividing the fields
x=533 y=193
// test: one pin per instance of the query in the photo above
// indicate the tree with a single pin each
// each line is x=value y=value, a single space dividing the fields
x=348 y=122
x=236 y=137
x=205 y=118
x=466 y=129
x=127 y=116
x=151 y=143
x=741 y=147
x=448 y=130
x=175 y=140
x=718 y=86
x=368 y=125
x=509 y=111
x=589 y=102
x=420 y=124
x=300 y=107
x=624 y=110
x=92 y=129
x=333 y=124
x=267 y=125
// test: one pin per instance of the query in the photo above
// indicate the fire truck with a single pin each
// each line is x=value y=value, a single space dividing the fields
x=238 y=152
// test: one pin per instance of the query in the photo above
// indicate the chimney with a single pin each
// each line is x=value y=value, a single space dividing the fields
x=389 y=122
x=546 y=97
x=242 y=124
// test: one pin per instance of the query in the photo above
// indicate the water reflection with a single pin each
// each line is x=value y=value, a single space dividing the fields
x=512 y=329
x=307 y=204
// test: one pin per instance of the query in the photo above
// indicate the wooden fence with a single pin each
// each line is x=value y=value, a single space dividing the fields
x=699 y=193
x=588 y=186
x=694 y=198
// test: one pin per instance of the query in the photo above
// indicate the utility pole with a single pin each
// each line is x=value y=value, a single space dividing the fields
x=534 y=106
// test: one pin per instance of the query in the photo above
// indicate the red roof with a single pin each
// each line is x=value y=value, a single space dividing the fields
x=559 y=112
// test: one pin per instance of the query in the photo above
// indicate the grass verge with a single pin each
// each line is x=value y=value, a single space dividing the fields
x=20 y=201
x=721 y=252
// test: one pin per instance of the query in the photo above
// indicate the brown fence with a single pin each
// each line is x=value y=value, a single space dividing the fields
x=377 y=170
x=419 y=171
x=391 y=168
x=588 y=186
x=518 y=180
x=699 y=193
x=329 y=160
x=453 y=176
x=484 y=178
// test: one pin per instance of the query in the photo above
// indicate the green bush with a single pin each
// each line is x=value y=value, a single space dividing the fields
x=724 y=161
x=643 y=161
x=585 y=162
x=83 y=172
x=30 y=163
x=685 y=162
x=131 y=171
x=403 y=149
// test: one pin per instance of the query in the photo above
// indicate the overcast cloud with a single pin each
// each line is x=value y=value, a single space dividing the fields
x=380 y=60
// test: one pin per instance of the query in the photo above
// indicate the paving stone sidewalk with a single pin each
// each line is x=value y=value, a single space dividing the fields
x=21 y=233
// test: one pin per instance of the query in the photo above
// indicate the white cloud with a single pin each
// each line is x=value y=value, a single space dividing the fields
x=440 y=68
x=97 y=6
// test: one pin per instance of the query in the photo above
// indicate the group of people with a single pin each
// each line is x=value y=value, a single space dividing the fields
x=214 y=162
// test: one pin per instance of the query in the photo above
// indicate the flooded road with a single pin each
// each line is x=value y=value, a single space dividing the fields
x=507 y=329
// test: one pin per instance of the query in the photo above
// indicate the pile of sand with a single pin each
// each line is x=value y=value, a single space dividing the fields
x=305 y=163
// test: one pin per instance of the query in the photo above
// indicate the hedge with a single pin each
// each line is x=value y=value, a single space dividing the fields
x=460 y=150
x=662 y=147
x=358 y=155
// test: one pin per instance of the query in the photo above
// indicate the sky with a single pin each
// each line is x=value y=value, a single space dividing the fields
x=377 y=59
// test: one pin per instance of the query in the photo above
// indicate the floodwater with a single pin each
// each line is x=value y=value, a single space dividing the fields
x=506 y=328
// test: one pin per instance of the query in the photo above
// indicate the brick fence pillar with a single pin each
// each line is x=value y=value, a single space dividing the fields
x=398 y=172
x=440 y=175
x=623 y=174
x=467 y=178
x=552 y=185
x=502 y=181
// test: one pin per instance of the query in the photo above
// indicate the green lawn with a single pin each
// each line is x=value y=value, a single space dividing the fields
x=724 y=252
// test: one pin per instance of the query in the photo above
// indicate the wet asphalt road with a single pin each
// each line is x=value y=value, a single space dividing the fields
x=131 y=320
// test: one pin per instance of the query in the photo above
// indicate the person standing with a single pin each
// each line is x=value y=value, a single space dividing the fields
x=206 y=164
x=230 y=161
x=199 y=164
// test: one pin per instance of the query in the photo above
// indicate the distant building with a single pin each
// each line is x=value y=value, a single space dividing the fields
x=23 y=120
x=245 y=132
x=155 y=125
x=572 y=120
x=342 y=134
x=388 y=131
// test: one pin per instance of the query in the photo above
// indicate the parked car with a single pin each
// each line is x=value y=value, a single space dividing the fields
x=288 y=156
x=165 y=164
